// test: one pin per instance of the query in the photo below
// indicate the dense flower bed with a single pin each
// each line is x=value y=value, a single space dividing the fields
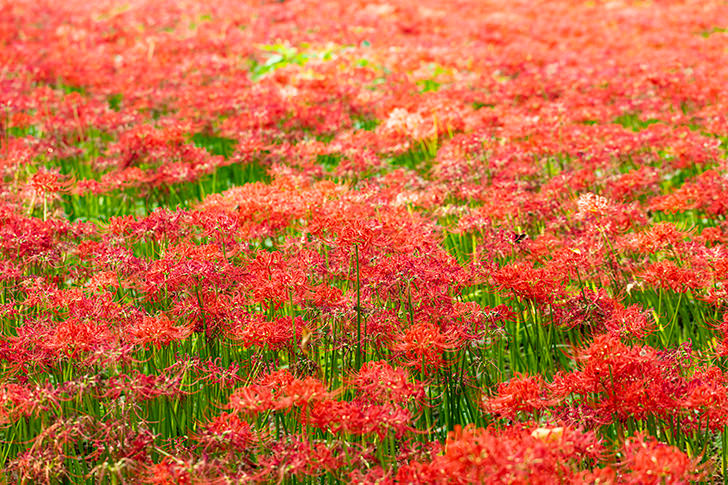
x=403 y=242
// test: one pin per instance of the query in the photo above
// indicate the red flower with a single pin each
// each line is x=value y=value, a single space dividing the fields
x=278 y=391
x=46 y=182
x=516 y=455
x=521 y=394
x=157 y=331
x=541 y=285
x=360 y=417
x=380 y=383
x=226 y=432
x=669 y=276
x=647 y=461
x=422 y=347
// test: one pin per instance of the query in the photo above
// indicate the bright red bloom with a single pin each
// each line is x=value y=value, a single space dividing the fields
x=670 y=276
x=616 y=381
x=647 y=461
x=380 y=383
x=278 y=391
x=360 y=418
x=297 y=456
x=281 y=333
x=226 y=432
x=541 y=285
x=522 y=394
x=422 y=347
x=516 y=455
x=158 y=331
x=168 y=472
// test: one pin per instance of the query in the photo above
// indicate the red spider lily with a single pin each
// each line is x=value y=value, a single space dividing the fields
x=411 y=451
x=41 y=465
x=162 y=225
x=212 y=372
x=19 y=401
x=660 y=236
x=643 y=180
x=588 y=309
x=422 y=347
x=522 y=394
x=625 y=382
x=518 y=455
x=168 y=472
x=142 y=387
x=120 y=442
x=278 y=391
x=189 y=269
x=260 y=396
x=722 y=328
x=120 y=260
x=282 y=333
x=411 y=136
x=9 y=271
x=466 y=321
x=380 y=383
x=630 y=321
x=157 y=331
x=73 y=338
x=261 y=210
x=711 y=235
x=382 y=327
x=373 y=475
x=598 y=312
x=323 y=297
x=669 y=276
x=46 y=182
x=703 y=192
x=210 y=312
x=706 y=400
x=27 y=239
x=360 y=418
x=226 y=432
x=301 y=392
x=44 y=460
x=297 y=456
x=648 y=461
x=541 y=285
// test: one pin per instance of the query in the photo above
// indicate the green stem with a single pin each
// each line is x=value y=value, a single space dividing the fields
x=358 y=310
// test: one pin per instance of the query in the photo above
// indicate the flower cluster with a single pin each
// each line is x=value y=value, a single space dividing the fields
x=405 y=242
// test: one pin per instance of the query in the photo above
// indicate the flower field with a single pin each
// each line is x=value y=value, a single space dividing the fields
x=433 y=241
